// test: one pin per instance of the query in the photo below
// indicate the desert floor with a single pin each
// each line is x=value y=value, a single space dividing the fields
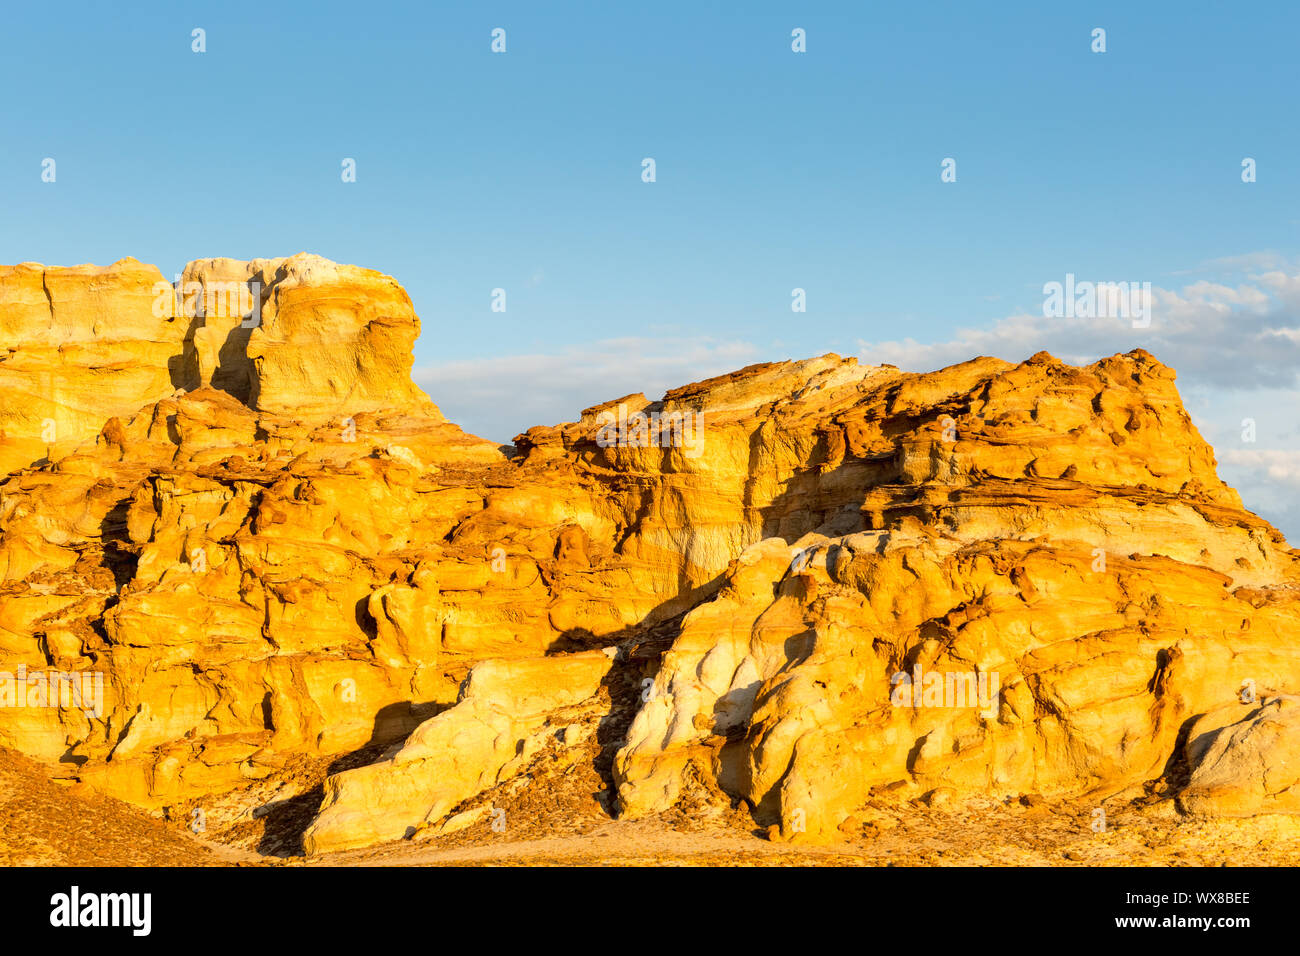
x=555 y=817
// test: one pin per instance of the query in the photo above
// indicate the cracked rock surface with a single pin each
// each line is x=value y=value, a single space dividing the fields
x=781 y=597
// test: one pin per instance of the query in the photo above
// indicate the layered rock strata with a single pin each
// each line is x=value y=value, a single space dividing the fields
x=997 y=578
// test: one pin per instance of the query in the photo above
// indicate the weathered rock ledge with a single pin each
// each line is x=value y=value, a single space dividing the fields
x=271 y=544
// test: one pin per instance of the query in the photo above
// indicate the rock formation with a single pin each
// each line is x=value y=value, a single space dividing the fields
x=804 y=585
x=80 y=345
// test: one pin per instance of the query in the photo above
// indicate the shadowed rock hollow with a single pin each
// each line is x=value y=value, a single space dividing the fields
x=272 y=544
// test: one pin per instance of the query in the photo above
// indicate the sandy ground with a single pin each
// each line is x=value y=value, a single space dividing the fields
x=48 y=823
x=556 y=816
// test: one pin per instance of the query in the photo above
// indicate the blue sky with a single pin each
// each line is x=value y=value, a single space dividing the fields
x=775 y=170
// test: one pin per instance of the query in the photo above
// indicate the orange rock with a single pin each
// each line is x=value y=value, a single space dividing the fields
x=273 y=544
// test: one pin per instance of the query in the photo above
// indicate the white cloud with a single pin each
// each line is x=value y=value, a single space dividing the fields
x=500 y=397
x=1286 y=286
x=1277 y=464
x=1244 y=336
x=1250 y=262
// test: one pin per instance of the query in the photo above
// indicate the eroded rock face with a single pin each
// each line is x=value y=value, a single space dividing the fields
x=1062 y=568
x=1037 y=674
x=1247 y=767
x=287 y=550
x=79 y=345
x=505 y=712
x=301 y=336
x=333 y=340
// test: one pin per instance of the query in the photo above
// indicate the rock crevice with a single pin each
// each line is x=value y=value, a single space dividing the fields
x=820 y=581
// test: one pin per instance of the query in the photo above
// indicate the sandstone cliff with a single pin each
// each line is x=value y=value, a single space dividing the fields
x=271 y=544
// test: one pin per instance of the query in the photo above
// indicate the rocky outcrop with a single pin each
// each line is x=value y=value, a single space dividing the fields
x=1053 y=582
x=1247 y=767
x=506 y=712
x=300 y=336
x=827 y=583
x=81 y=345
x=333 y=340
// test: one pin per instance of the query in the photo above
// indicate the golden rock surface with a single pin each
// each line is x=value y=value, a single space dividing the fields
x=271 y=544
